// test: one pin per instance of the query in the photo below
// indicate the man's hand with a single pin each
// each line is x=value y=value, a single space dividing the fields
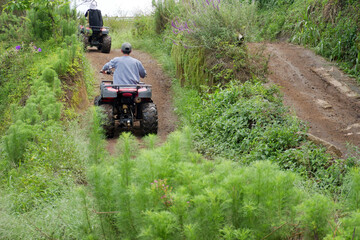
x=106 y=71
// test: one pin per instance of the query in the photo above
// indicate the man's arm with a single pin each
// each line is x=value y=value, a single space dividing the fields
x=108 y=65
x=142 y=71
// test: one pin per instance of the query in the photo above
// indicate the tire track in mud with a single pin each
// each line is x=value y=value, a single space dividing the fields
x=312 y=88
x=161 y=89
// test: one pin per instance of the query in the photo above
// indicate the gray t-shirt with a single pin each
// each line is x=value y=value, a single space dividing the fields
x=128 y=70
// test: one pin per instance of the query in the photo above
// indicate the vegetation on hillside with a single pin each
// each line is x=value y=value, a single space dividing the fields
x=238 y=168
x=42 y=154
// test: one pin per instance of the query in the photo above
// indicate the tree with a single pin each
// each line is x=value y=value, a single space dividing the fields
x=23 y=5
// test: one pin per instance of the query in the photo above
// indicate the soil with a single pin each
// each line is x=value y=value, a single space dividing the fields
x=317 y=92
x=161 y=89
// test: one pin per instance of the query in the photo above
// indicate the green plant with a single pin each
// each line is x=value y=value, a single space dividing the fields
x=11 y=28
x=164 y=10
x=347 y=227
x=315 y=215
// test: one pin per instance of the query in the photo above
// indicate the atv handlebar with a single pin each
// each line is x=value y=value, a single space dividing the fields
x=109 y=72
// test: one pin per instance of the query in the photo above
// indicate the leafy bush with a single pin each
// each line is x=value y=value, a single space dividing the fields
x=233 y=121
x=247 y=122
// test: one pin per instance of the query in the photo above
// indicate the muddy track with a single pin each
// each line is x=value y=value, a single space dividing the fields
x=161 y=88
x=317 y=91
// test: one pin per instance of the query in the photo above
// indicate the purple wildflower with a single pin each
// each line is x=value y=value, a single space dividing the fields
x=18 y=47
x=39 y=49
x=173 y=24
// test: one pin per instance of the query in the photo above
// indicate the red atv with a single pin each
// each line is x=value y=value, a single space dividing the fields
x=127 y=107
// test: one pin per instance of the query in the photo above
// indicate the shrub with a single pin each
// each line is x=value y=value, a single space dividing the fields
x=172 y=192
x=352 y=189
x=11 y=28
x=315 y=215
x=347 y=227
x=16 y=140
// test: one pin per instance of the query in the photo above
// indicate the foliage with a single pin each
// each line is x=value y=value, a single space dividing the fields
x=247 y=122
x=49 y=221
x=315 y=214
x=38 y=159
x=329 y=27
x=348 y=227
x=10 y=27
x=15 y=73
x=46 y=21
x=170 y=192
x=272 y=3
x=29 y=4
x=164 y=10
x=143 y=26
x=251 y=125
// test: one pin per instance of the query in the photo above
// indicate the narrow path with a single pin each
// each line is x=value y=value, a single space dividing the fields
x=317 y=91
x=161 y=86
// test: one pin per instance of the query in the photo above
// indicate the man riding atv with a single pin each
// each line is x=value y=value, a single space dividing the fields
x=126 y=101
x=128 y=70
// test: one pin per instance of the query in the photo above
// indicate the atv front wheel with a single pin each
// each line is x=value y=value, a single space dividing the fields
x=149 y=121
x=106 y=45
x=109 y=122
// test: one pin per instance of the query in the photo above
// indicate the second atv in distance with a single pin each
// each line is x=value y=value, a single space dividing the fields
x=95 y=34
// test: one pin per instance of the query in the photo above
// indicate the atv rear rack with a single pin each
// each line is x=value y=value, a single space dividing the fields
x=118 y=86
x=109 y=90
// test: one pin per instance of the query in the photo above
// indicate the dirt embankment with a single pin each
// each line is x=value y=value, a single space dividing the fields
x=317 y=91
x=161 y=87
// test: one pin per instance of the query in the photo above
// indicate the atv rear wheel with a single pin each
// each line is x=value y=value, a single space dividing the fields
x=106 y=45
x=109 y=122
x=149 y=121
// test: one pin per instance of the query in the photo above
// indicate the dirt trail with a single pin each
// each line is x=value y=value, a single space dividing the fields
x=317 y=91
x=161 y=88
